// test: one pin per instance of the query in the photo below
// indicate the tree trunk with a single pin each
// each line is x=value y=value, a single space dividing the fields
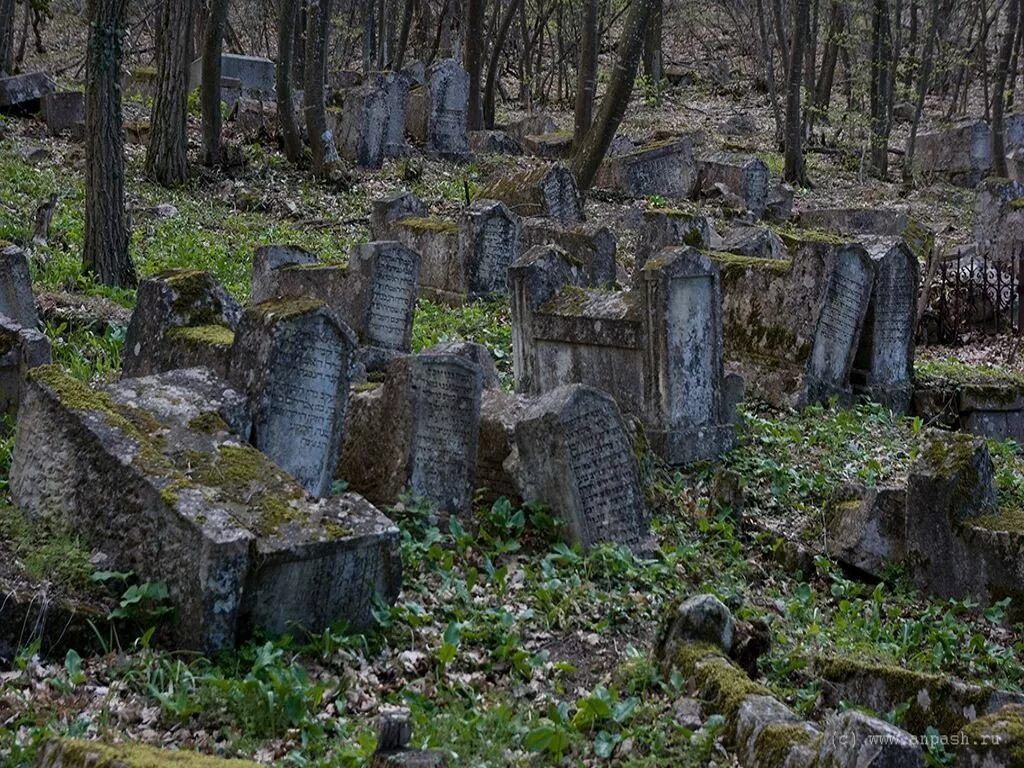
x=587 y=85
x=927 y=61
x=210 y=93
x=652 y=43
x=321 y=140
x=167 y=158
x=591 y=152
x=288 y=16
x=403 y=35
x=6 y=36
x=474 y=47
x=829 y=59
x=794 y=171
x=492 y=66
x=999 y=95
x=881 y=90
x=106 y=221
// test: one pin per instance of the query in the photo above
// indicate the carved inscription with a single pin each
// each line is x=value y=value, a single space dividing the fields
x=839 y=325
x=892 y=319
x=611 y=509
x=391 y=303
x=495 y=252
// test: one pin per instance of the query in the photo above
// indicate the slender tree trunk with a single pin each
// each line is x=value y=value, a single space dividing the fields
x=829 y=59
x=768 y=53
x=210 y=95
x=882 y=66
x=587 y=85
x=923 y=81
x=167 y=158
x=288 y=16
x=1011 y=85
x=794 y=171
x=474 y=47
x=999 y=94
x=591 y=152
x=495 y=61
x=652 y=43
x=369 y=34
x=403 y=35
x=6 y=36
x=321 y=140
x=106 y=221
x=299 y=43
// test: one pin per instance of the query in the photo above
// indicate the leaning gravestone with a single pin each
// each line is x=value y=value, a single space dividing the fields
x=417 y=431
x=447 y=109
x=576 y=457
x=292 y=357
x=363 y=126
x=546 y=191
x=395 y=86
x=155 y=473
x=182 y=318
x=16 y=299
x=665 y=168
x=489 y=243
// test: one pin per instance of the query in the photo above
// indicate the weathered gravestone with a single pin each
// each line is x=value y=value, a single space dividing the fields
x=577 y=458
x=883 y=368
x=999 y=220
x=417 y=431
x=16 y=299
x=363 y=125
x=23 y=92
x=760 y=242
x=21 y=348
x=255 y=73
x=891 y=221
x=182 y=318
x=656 y=350
x=442 y=267
x=395 y=86
x=153 y=473
x=292 y=357
x=489 y=243
x=665 y=228
x=438 y=111
x=745 y=177
x=550 y=146
x=962 y=153
x=546 y=191
x=374 y=294
x=494 y=143
x=665 y=168
x=591 y=245
x=387 y=210
x=63 y=111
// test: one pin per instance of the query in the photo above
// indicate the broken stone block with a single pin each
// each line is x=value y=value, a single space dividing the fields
x=855 y=740
x=663 y=228
x=866 y=528
x=418 y=432
x=963 y=153
x=21 y=349
x=744 y=177
x=16 y=299
x=494 y=143
x=183 y=318
x=759 y=242
x=387 y=210
x=75 y=753
x=62 y=111
x=497 y=467
x=768 y=733
x=550 y=146
x=666 y=168
x=996 y=741
x=546 y=191
x=233 y=536
x=475 y=353
x=292 y=357
x=24 y=92
x=779 y=206
x=255 y=73
x=591 y=245
x=576 y=457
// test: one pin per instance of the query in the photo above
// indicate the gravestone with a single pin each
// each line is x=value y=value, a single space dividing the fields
x=494 y=143
x=963 y=153
x=664 y=228
x=155 y=474
x=387 y=210
x=395 y=86
x=21 y=348
x=759 y=242
x=549 y=146
x=666 y=168
x=417 y=431
x=255 y=73
x=884 y=365
x=24 y=92
x=533 y=124
x=447 y=111
x=16 y=299
x=292 y=358
x=840 y=322
x=745 y=177
x=363 y=125
x=489 y=243
x=64 y=110
x=592 y=245
x=182 y=318
x=546 y=191
x=442 y=268
x=576 y=458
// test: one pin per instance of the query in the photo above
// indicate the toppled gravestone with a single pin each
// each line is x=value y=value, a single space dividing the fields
x=374 y=294
x=75 y=753
x=183 y=318
x=417 y=431
x=24 y=92
x=550 y=146
x=962 y=153
x=153 y=472
x=759 y=242
x=666 y=168
x=656 y=349
x=576 y=457
x=744 y=177
x=292 y=357
x=545 y=191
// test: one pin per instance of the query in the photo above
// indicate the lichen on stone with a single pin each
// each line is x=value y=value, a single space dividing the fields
x=213 y=335
x=77 y=753
x=430 y=224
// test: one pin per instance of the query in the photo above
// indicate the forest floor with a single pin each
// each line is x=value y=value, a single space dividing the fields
x=508 y=648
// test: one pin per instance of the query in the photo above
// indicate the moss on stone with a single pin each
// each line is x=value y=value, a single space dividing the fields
x=985 y=379
x=336 y=531
x=776 y=740
x=283 y=309
x=190 y=287
x=732 y=266
x=722 y=685
x=1010 y=520
x=79 y=754
x=1002 y=730
x=208 y=335
x=208 y=422
x=430 y=224
x=795 y=236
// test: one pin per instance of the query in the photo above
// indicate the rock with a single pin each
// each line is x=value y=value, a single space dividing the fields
x=699 y=619
x=740 y=124
x=767 y=732
x=497 y=468
x=867 y=530
x=779 y=206
x=663 y=228
x=855 y=740
x=995 y=741
x=494 y=143
x=536 y=124
x=688 y=713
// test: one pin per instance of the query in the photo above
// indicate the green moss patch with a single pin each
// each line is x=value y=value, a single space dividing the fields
x=95 y=754
x=430 y=224
x=208 y=335
x=776 y=740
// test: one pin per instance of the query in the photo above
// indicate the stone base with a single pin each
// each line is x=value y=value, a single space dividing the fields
x=678 y=447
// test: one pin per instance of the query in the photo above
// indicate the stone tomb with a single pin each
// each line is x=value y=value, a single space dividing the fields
x=183 y=318
x=883 y=368
x=656 y=349
x=665 y=168
x=546 y=191
x=374 y=294
x=155 y=474
x=438 y=112
x=576 y=457
x=292 y=357
x=417 y=431
x=744 y=177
